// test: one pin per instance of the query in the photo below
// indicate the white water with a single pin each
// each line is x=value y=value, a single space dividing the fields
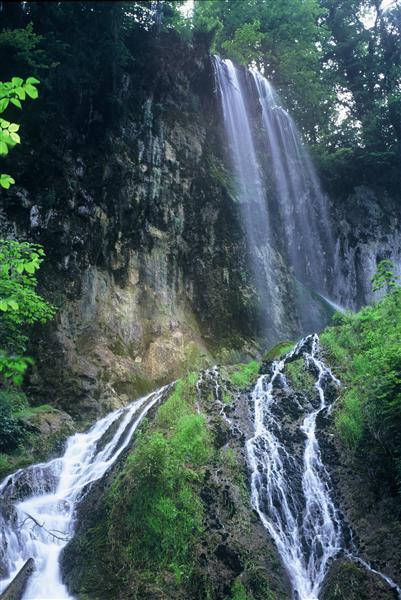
x=250 y=189
x=291 y=489
x=283 y=209
x=40 y=525
x=290 y=492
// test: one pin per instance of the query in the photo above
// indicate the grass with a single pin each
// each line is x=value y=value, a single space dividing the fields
x=155 y=513
x=301 y=379
x=244 y=374
x=365 y=350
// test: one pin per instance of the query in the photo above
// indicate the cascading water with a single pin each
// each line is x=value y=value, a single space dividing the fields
x=283 y=208
x=290 y=486
x=251 y=193
x=290 y=491
x=302 y=206
x=40 y=525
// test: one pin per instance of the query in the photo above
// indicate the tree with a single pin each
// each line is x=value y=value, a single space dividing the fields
x=13 y=93
x=284 y=39
x=385 y=278
x=20 y=305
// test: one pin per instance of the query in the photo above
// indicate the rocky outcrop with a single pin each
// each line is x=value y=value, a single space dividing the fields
x=16 y=589
x=367 y=229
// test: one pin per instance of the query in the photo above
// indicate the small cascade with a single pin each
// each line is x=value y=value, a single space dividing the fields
x=39 y=502
x=290 y=485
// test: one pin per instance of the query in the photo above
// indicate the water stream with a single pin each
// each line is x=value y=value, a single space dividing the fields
x=290 y=485
x=39 y=503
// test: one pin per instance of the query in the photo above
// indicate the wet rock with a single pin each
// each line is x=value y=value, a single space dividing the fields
x=348 y=580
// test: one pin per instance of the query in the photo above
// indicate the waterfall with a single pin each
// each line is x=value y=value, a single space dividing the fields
x=250 y=188
x=290 y=486
x=39 y=502
x=302 y=206
x=284 y=211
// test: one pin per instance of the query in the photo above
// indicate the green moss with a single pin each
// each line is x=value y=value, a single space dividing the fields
x=29 y=411
x=301 y=380
x=278 y=351
x=238 y=591
x=244 y=374
x=347 y=582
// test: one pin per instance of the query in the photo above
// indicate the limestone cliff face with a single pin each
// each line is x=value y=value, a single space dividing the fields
x=145 y=248
x=367 y=229
x=146 y=256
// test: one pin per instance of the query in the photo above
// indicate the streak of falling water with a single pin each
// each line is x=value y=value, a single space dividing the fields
x=40 y=525
x=251 y=193
x=284 y=212
x=302 y=206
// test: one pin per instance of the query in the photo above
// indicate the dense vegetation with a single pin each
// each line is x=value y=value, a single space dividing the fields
x=336 y=64
x=154 y=515
x=366 y=351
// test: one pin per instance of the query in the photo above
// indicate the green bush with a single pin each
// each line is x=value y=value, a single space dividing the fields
x=12 y=431
x=365 y=348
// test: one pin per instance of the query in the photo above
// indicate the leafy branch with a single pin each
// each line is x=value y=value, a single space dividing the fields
x=13 y=92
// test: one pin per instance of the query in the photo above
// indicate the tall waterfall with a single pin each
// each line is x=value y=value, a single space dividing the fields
x=40 y=524
x=283 y=208
x=250 y=186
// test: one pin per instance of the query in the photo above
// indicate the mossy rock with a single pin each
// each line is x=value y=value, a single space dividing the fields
x=278 y=351
x=348 y=580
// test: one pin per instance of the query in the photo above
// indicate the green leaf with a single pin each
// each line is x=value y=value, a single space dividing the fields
x=13 y=304
x=29 y=267
x=15 y=137
x=31 y=91
x=13 y=127
x=3 y=149
x=32 y=80
x=16 y=103
x=6 y=181
x=3 y=104
x=17 y=81
x=20 y=93
x=3 y=305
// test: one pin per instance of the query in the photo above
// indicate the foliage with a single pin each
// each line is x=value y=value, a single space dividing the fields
x=245 y=374
x=24 y=44
x=365 y=347
x=278 y=351
x=284 y=39
x=384 y=278
x=301 y=379
x=238 y=591
x=13 y=93
x=20 y=304
x=11 y=429
x=155 y=491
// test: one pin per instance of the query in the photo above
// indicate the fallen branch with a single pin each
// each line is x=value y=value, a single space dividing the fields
x=42 y=526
